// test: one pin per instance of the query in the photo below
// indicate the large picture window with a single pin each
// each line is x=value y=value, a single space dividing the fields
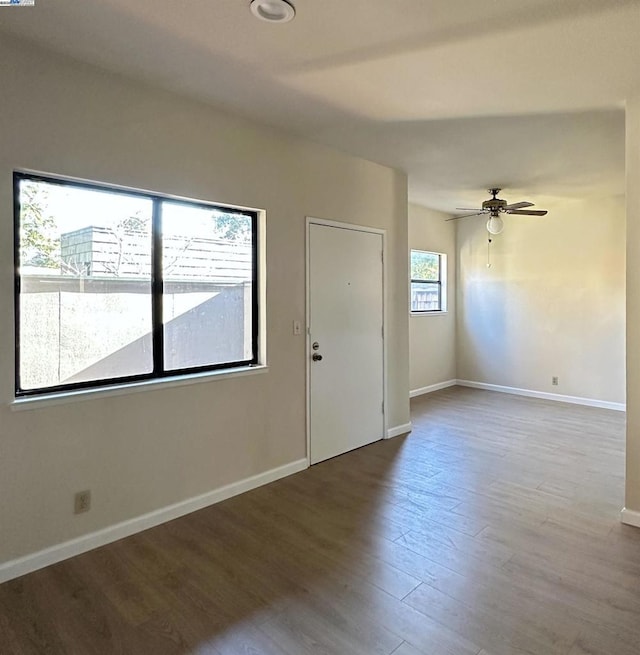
x=428 y=276
x=114 y=285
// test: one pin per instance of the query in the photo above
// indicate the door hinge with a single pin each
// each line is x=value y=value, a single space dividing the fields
x=382 y=256
x=383 y=406
x=382 y=330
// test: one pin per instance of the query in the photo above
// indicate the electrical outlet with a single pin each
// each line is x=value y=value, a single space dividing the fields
x=82 y=502
x=554 y=381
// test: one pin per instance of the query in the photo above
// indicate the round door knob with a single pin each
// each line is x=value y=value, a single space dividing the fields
x=316 y=357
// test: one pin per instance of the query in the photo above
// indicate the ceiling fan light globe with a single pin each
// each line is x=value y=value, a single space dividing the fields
x=495 y=225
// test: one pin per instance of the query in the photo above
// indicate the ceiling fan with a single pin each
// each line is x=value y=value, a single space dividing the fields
x=496 y=206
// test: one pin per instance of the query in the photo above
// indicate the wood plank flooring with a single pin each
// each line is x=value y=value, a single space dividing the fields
x=491 y=530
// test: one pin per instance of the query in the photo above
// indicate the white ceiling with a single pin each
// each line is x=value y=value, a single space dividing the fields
x=462 y=94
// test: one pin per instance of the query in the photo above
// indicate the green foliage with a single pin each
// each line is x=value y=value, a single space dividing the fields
x=39 y=245
x=233 y=227
x=424 y=265
x=135 y=224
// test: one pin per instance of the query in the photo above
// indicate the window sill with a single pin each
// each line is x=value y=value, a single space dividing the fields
x=434 y=313
x=125 y=389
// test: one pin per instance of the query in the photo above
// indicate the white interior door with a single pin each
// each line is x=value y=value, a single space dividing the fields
x=346 y=357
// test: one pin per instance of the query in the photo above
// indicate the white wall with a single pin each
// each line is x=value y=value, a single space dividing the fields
x=141 y=452
x=432 y=337
x=552 y=303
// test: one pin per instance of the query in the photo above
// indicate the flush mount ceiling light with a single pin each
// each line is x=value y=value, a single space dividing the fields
x=273 y=11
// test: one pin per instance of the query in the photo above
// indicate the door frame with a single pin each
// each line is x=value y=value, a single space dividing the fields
x=310 y=220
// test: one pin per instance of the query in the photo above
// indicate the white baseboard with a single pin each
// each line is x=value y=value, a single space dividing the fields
x=629 y=517
x=576 y=400
x=34 y=561
x=398 y=430
x=432 y=387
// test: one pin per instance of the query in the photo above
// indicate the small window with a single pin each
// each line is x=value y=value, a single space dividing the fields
x=428 y=287
x=114 y=285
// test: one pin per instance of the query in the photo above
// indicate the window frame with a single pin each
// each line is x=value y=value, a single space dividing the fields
x=441 y=283
x=159 y=372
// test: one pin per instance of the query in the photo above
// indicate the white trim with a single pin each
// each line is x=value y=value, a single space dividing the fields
x=575 y=400
x=435 y=312
x=310 y=220
x=34 y=561
x=307 y=330
x=262 y=288
x=346 y=226
x=125 y=389
x=398 y=430
x=432 y=387
x=630 y=517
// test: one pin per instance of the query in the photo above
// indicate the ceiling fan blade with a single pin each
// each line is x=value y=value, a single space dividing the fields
x=528 y=212
x=470 y=209
x=519 y=205
x=455 y=218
